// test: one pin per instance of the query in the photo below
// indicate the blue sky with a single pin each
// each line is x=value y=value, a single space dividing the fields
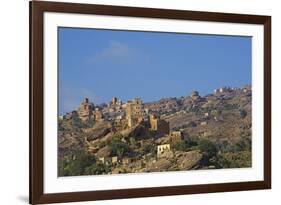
x=101 y=64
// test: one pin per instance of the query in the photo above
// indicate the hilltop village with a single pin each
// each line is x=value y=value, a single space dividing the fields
x=172 y=134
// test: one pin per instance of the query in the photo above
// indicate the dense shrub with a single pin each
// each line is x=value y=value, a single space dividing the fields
x=233 y=156
x=76 y=165
x=186 y=145
x=149 y=148
x=118 y=147
x=245 y=144
x=209 y=151
x=234 y=159
x=207 y=147
x=95 y=169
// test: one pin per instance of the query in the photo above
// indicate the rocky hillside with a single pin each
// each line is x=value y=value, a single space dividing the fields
x=205 y=132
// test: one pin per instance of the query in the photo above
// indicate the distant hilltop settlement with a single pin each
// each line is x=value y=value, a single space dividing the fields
x=121 y=115
x=164 y=135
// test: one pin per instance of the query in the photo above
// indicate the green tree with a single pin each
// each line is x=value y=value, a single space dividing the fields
x=118 y=147
x=245 y=144
x=97 y=169
x=186 y=145
x=234 y=160
x=209 y=151
x=149 y=148
x=76 y=165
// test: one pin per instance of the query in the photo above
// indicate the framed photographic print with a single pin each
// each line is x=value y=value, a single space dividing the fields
x=139 y=102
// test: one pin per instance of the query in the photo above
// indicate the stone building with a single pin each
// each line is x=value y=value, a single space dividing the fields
x=156 y=124
x=114 y=101
x=109 y=160
x=195 y=97
x=204 y=123
x=127 y=160
x=194 y=93
x=105 y=160
x=120 y=123
x=176 y=136
x=97 y=114
x=163 y=150
x=85 y=109
x=115 y=104
x=222 y=90
x=115 y=160
x=247 y=88
x=134 y=113
x=163 y=105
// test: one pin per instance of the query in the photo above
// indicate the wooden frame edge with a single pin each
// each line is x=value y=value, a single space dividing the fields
x=267 y=102
x=149 y=192
x=36 y=102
